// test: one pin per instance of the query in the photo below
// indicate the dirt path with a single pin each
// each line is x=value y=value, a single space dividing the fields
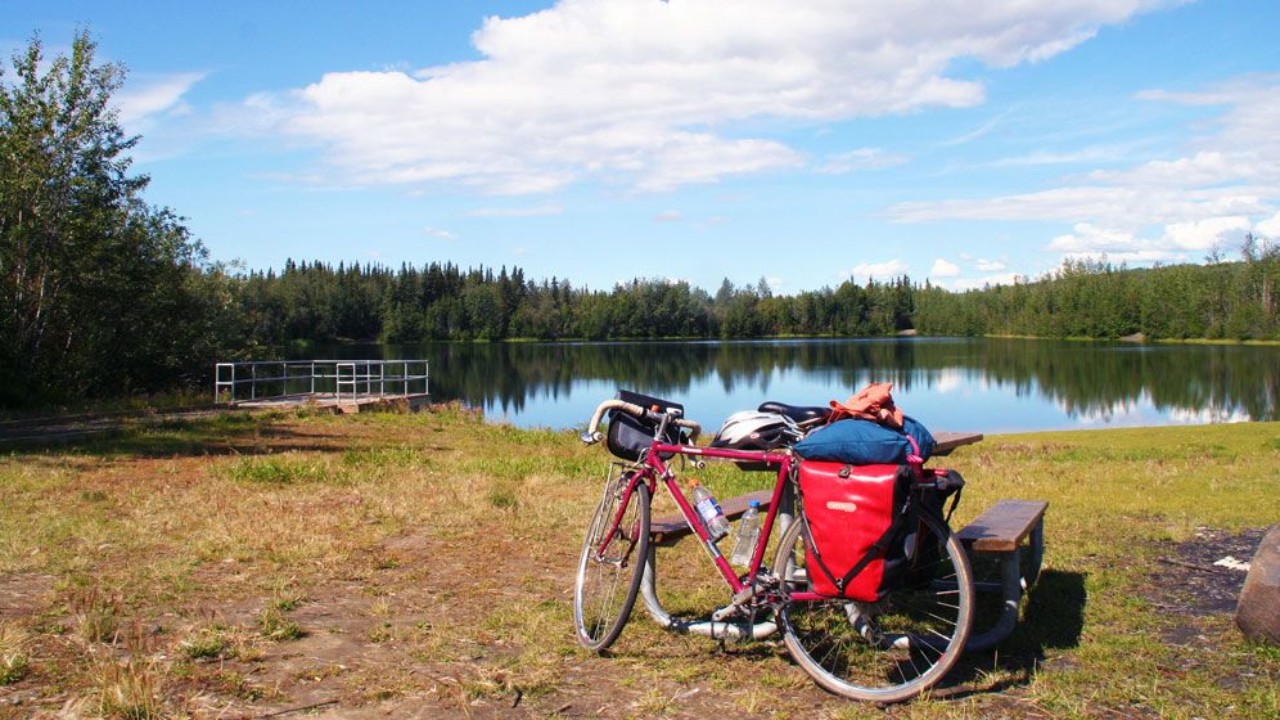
x=68 y=428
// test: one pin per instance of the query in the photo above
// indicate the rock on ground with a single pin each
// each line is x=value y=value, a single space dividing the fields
x=1258 y=612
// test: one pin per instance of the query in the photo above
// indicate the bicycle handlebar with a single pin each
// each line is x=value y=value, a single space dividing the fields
x=592 y=435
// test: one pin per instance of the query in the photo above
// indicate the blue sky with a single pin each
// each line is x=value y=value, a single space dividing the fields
x=804 y=142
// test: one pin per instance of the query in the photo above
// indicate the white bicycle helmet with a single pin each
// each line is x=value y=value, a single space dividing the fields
x=752 y=430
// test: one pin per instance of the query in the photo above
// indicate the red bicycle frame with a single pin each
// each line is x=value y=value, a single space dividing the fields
x=655 y=467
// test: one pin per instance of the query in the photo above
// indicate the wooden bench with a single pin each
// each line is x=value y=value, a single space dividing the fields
x=670 y=529
x=999 y=534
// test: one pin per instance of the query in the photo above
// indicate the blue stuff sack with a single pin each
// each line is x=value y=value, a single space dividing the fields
x=862 y=442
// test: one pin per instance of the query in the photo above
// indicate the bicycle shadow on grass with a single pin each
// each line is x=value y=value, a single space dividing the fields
x=1052 y=619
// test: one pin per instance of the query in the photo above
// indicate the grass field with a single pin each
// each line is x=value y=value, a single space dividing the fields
x=396 y=565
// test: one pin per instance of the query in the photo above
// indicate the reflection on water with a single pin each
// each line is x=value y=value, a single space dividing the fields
x=954 y=384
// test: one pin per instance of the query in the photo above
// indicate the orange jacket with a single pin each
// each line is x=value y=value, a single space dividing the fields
x=873 y=403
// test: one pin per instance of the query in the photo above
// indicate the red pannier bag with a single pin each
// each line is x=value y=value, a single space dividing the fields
x=853 y=513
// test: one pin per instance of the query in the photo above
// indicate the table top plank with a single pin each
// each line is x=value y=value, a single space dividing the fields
x=946 y=441
x=1003 y=526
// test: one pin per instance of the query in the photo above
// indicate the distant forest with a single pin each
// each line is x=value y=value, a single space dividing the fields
x=105 y=296
x=317 y=301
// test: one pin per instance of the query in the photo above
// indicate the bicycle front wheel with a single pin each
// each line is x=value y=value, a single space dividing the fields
x=891 y=650
x=612 y=563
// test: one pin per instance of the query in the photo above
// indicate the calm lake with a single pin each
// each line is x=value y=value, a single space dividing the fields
x=983 y=385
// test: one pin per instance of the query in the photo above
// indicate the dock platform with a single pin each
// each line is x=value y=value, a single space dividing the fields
x=345 y=386
x=346 y=404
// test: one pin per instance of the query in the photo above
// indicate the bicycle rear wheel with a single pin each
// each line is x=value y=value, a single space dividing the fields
x=612 y=563
x=887 y=651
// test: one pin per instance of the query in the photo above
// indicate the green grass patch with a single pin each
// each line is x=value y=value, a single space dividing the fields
x=274 y=624
x=206 y=643
x=14 y=661
x=287 y=469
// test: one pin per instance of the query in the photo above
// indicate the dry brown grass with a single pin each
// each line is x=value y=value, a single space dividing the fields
x=421 y=566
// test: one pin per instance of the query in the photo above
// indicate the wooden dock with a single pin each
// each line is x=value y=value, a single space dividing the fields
x=345 y=404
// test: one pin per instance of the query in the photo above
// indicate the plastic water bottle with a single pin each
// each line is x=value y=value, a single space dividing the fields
x=712 y=516
x=748 y=532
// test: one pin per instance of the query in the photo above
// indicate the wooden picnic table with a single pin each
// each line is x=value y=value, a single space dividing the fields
x=669 y=529
x=1001 y=534
x=948 y=441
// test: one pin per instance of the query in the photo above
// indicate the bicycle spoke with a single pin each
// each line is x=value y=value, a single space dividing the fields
x=611 y=565
x=888 y=651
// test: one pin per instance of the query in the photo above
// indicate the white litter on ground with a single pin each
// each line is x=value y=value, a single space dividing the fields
x=1233 y=564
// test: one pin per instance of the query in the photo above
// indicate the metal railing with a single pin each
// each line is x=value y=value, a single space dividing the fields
x=341 y=379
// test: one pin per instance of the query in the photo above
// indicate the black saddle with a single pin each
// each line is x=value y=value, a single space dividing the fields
x=801 y=414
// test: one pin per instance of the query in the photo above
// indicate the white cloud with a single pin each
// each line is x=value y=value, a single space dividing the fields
x=517 y=212
x=981 y=131
x=1119 y=206
x=990 y=280
x=1207 y=233
x=879 y=271
x=668 y=216
x=1269 y=228
x=145 y=96
x=1180 y=241
x=1225 y=184
x=439 y=234
x=1093 y=154
x=941 y=268
x=1086 y=238
x=1090 y=242
x=156 y=108
x=859 y=160
x=646 y=94
x=1248 y=124
x=950 y=275
x=1203 y=168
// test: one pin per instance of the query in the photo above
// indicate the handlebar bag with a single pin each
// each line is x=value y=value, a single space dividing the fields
x=629 y=436
x=855 y=516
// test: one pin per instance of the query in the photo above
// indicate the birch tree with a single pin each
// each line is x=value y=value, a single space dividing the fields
x=91 y=277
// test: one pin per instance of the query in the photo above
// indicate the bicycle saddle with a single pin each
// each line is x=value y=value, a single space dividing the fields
x=798 y=413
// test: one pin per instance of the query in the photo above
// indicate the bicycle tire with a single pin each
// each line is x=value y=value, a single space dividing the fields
x=879 y=652
x=606 y=586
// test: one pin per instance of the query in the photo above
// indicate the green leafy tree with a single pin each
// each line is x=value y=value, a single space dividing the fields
x=99 y=292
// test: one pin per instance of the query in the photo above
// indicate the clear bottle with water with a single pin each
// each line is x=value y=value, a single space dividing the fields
x=712 y=516
x=744 y=544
